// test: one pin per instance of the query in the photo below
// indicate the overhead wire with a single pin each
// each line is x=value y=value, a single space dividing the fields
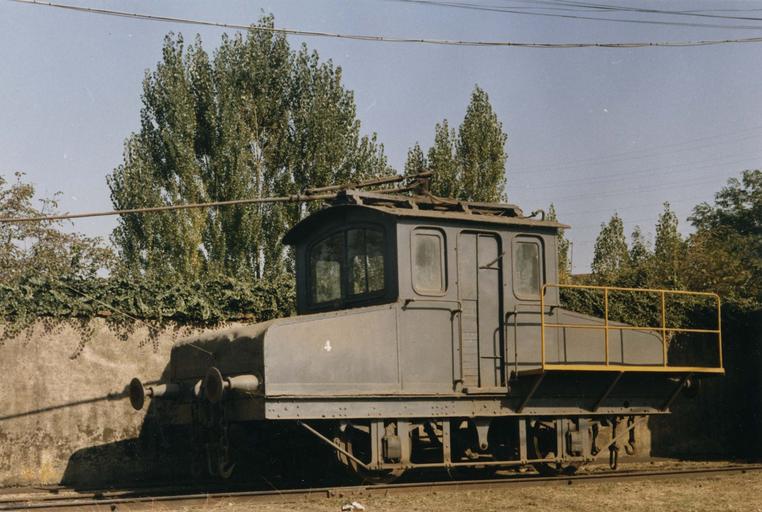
x=314 y=194
x=643 y=10
x=616 y=157
x=671 y=169
x=624 y=207
x=167 y=208
x=512 y=10
x=635 y=190
x=389 y=39
x=685 y=171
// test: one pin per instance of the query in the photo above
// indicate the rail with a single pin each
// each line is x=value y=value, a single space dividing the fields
x=664 y=330
x=226 y=495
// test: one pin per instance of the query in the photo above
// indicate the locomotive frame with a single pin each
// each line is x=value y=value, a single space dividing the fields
x=430 y=333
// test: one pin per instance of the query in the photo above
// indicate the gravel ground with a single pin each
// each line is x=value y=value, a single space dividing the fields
x=715 y=493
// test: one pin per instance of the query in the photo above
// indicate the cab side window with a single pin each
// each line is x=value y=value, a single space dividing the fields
x=527 y=268
x=428 y=261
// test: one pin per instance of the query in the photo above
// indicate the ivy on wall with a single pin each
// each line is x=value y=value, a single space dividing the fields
x=127 y=303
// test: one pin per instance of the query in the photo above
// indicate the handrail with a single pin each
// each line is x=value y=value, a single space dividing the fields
x=663 y=329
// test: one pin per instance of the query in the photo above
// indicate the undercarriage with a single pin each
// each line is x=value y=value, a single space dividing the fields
x=381 y=451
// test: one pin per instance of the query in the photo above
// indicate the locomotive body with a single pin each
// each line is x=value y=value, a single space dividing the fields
x=430 y=333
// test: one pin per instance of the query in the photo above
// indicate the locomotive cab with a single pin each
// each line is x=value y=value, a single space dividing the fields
x=432 y=333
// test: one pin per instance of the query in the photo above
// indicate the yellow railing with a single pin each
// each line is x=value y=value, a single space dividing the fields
x=663 y=329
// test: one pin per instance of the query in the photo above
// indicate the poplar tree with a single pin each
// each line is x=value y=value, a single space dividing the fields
x=255 y=119
x=445 y=181
x=610 y=256
x=416 y=162
x=469 y=163
x=564 y=248
x=640 y=260
x=669 y=250
x=481 y=151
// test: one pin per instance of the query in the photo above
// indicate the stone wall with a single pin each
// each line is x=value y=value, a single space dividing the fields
x=56 y=411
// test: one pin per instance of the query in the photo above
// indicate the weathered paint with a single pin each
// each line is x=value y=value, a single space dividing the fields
x=69 y=419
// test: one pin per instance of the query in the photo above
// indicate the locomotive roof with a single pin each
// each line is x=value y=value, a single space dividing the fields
x=418 y=206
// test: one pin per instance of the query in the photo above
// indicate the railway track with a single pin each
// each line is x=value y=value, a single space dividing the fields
x=61 y=498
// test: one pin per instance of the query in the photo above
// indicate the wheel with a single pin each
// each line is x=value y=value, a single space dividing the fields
x=357 y=442
x=543 y=445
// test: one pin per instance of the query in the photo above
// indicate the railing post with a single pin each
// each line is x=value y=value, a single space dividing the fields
x=606 y=322
x=542 y=325
x=664 y=325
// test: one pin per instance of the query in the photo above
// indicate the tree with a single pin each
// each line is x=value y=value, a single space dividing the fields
x=725 y=253
x=564 y=248
x=443 y=163
x=470 y=164
x=481 y=151
x=33 y=250
x=257 y=119
x=416 y=162
x=640 y=260
x=610 y=256
x=737 y=206
x=669 y=251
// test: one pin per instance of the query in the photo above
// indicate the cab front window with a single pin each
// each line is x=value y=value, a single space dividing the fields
x=347 y=265
x=325 y=262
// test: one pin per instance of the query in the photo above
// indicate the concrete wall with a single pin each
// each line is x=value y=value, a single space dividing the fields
x=64 y=418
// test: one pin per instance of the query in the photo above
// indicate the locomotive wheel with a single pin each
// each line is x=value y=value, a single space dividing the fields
x=543 y=446
x=357 y=443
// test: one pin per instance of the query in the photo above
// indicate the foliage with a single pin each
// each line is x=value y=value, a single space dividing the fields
x=256 y=119
x=416 y=161
x=481 y=151
x=610 y=256
x=640 y=261
x=669 y=251
x=468 y=164
x=128 y=302
x=723 y=255
x=57 y=277
x=564 y=248
x=725 y=252
x=122 y=298
x=443 y=162
x=41 y=247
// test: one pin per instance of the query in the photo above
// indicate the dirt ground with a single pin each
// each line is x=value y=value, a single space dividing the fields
x=715 y=493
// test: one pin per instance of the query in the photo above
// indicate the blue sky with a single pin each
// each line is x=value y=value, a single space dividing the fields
x=592 y=130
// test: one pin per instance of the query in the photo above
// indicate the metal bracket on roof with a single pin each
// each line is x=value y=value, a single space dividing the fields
x=535 y=213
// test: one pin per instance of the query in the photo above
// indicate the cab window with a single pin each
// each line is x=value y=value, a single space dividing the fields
x=325 y=265
x=527 y=268
x=366 y=261
x=347 y=265
x=428 y=262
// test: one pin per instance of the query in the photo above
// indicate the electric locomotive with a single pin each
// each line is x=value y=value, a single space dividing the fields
x=431 y=333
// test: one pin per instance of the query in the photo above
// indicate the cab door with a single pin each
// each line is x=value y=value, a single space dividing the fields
x=480 y=263
x=524 y=307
